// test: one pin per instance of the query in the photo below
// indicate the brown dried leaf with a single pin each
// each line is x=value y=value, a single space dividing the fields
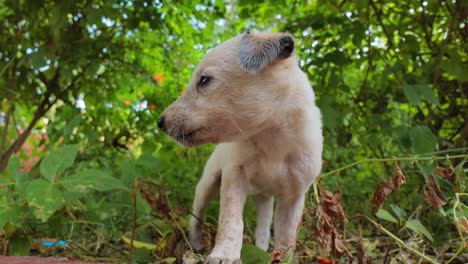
x=339 y=245
x=446 y=173
x=382 y=192
x=332 y=204
x=329 y=215
x=433 y=194
x=385 y=189
x=324 y=164
x=181 y=210
x=399 y=178
x=361 y=253
x=276 y=256
x=175 y=245
x=156 y=200
x=463 y=224
x=148 y=196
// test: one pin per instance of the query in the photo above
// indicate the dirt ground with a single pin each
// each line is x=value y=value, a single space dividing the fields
x=39 y=260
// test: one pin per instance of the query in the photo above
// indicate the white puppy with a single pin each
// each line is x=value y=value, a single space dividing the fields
x=249 y=96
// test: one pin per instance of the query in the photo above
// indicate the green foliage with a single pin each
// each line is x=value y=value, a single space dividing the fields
x=59 y=160
x=251 y=254
x=385 y=215
x=82 y=84
x=417 y=227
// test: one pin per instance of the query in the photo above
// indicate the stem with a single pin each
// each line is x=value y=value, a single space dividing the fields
x=460 y=233
x=390 y=159
x=399 y=241
x=132 y=238
x=172 y=213
x=316 y=194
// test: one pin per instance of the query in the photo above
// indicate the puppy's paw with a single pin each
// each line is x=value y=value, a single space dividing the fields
x=197 y=244
x=195 y=235
x=222 y=260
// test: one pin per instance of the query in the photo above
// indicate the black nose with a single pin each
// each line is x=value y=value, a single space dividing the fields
x=161 y=123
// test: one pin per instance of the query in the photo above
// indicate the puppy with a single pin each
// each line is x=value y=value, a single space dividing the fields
x=249 y=96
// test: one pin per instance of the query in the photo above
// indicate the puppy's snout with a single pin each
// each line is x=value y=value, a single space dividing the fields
x=161 y=122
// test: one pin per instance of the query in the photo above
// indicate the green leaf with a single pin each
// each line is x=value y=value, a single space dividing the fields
x=417 y=227
x=415 y=92
x=422 y=139
x=412 y=94
x=332 y=118
x=3 y=217
x=44 y=197
x=10 y=215
x=428 y=94
x=456 y=68
x=58 y=160
x=71 y=125
x=13 y=166
x=20 y=245
x=14 y=215
x=38 y=59
x=402 y=135
x=385 y=215
x=398 y=211
x=92 y=179
x=251 y=254
x=6 y=181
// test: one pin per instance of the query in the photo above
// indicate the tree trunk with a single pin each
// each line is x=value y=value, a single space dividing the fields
x=40 y=112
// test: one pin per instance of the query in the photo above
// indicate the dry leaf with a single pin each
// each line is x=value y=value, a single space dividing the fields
x=276 y=256
x=446 y=173
x=432 y=193
x=332 y=204
x=463 y=224
x=362 y=254
x=156 y=200
x=399 y=178
x=328 y=215
x=324 y=164
x=385 y=189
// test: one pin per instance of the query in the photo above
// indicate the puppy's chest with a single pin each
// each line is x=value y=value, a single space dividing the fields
x=273 y=176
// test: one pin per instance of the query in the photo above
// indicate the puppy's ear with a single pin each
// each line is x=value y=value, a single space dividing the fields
x=259 y=50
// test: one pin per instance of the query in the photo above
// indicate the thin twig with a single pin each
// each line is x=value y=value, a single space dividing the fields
x=132 y=237
x=391 y=159
x=171 y=214
x=460 y=233
x=398 y=240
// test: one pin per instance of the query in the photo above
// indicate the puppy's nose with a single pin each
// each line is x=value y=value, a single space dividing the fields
x=161 y=123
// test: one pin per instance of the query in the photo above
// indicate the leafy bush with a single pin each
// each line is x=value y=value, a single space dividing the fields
x=82 y=84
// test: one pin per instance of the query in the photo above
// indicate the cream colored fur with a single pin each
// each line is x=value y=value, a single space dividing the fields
x=268 y=130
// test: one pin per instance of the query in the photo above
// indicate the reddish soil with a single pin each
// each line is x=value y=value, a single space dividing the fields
x=39 y=260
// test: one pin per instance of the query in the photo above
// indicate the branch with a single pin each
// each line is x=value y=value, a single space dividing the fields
x=5 y=128
x=379 y=19
x=389 y=159
x=399 y=241
x=43 y=107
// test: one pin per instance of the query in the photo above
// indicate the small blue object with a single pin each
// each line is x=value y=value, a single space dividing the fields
x=55 y=244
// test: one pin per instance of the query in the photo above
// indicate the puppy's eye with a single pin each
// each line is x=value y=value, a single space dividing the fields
x=204 y=80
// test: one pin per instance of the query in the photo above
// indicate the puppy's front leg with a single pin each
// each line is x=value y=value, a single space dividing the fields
x=288 y=216
x=230 y=227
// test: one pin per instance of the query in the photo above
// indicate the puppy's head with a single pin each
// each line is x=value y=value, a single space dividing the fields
x=234 y=92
